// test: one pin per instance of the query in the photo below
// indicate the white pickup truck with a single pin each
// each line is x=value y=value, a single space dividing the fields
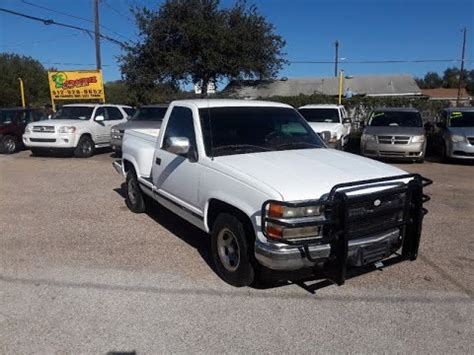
x=329 y=118
x=78 y=127
x=256 y=177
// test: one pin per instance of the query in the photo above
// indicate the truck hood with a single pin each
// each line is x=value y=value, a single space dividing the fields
x=58 y=123
x=306 y=173
x=319 y=127
x=395 y=130
x=138 y=124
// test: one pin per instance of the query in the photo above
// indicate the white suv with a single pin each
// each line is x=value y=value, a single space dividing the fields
x=329 y=118
x=79 y=127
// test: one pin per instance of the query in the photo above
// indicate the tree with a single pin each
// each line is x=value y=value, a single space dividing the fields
x=194 y=41
x=431 y=80
x=34 y=75
x=120 y=92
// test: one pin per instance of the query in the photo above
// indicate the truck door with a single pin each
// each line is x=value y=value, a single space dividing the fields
x=99 y=128
x=176 y=177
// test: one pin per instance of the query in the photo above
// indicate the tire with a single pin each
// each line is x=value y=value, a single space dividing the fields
x=135 y=198
x=231 y=251
x=8 y=145
x=85 y=147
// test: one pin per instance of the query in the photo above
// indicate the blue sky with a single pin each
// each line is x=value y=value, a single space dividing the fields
x=366 y=30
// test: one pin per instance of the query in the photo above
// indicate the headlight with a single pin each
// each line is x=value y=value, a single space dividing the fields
x=28 y=129
x=368 y=137
x=456 y=139
x=67 y=129
x=418 y=139
x=114 y=130
x=278 y=212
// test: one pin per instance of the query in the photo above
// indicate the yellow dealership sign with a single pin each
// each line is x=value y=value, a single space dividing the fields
x=76 y=85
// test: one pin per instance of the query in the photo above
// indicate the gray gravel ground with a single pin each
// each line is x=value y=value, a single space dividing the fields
x=79 y=273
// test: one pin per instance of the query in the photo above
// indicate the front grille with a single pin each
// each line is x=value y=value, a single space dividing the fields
x=388 y=153
x=393 y=139
x=366 y=213
x=43 y=129
x=42 y=140
x=470 y=140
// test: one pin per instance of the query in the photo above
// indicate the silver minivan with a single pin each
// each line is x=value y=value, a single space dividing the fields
x=396 y=133
x=454 y=134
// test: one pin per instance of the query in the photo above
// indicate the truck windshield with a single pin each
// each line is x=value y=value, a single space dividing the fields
x=461 y=119
x=240 y=130
x=150 y=114
x=395 y=118
x=328 y=115
x=73 y=113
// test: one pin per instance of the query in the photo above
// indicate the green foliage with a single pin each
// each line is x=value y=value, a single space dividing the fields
x=35 y=79
x=450 y=79
x=360 y=106
x=193 y=40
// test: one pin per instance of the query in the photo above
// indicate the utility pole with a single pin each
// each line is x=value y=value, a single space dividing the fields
x=95 y=5
x=461 y=75
x=336 y=60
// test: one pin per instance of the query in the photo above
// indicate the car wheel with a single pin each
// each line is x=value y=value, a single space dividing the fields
x=85 y=147
x=231 y=252
x=8 y=145
x=135 y=198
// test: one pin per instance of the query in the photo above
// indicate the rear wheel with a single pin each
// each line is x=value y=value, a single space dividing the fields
x=231 y=251
x=8 y=145
x=135 y=198
x=85 y=147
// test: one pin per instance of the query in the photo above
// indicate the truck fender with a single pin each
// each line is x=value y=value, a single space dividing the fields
x=82 y=132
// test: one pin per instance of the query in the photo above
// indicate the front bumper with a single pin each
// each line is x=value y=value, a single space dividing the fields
x=49 y=140
x=397 y=151
x=460 y=150
x=356 y=229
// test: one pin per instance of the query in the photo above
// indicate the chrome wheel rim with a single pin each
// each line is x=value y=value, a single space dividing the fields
x=228 y=249
x=86 y=147
x=9 y=144
x=132 y=191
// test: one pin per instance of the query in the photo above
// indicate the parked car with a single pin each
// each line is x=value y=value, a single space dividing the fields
x=454 y=134
x=260 y=181
x=149 y=116
x=12 y=126
x=329 y=118
x=80 y=127
x=394 y=133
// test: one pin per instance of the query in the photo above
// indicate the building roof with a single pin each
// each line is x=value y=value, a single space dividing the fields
x=370 y=85
x=445 y=93
x=204 y=103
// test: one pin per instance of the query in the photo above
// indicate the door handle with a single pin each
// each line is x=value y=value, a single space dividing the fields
x=157 y=161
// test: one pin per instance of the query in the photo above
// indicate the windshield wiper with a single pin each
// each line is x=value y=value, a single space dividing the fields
x=240 y=147
x=297 y=144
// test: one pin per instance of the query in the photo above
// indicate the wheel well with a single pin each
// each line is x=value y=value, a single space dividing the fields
x=217 y=207
x=127 y=166
x=84 y=135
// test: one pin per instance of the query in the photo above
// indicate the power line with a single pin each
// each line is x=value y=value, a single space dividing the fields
x=52 y=22
x=74 y=16
x=379 y=61
x=105 y=2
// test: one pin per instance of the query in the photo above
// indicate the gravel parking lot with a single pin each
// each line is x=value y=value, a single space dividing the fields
x=79 y=273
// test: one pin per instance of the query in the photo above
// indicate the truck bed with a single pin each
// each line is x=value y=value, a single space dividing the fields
x=139 y=143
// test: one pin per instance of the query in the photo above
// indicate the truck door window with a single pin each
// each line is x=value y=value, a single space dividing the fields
x=180 y=124
x=101 y=112
x=114 y=114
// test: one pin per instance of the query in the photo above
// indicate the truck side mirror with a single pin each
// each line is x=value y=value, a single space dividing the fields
x=178 y=145
x=99 y=118
x=346 y=120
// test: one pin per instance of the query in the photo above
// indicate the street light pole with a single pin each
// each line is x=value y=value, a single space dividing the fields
x=461 y=75
x=95 y=5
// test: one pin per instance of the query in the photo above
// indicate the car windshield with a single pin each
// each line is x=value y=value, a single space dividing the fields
x=395 y=118
x=9 y=116
x=328 y=115
x=150 y=114
x=461 y=119
x=240 y=130
x=73 y=113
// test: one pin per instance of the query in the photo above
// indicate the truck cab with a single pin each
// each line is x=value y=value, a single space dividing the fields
x=329 y=118
x=262 y=184
x=80 y=128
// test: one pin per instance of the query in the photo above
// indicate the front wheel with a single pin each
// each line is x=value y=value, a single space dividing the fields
x=8 y=145
x=231 y=252
x=85 y=147
x=134 y=199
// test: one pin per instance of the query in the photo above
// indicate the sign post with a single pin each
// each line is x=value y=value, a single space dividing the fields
x=22 y=92
x=76 y=85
